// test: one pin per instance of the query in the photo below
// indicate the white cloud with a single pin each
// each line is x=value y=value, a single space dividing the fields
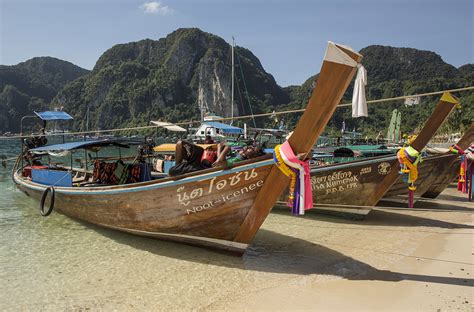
x=155 y=7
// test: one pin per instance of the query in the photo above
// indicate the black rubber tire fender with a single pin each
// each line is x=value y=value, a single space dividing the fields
x=43 y=199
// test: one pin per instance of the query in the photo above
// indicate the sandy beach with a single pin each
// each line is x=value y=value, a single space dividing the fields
x=397 y=259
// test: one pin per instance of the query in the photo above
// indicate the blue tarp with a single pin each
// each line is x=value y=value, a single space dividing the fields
x=78 y=145
x=224 y=128
x=53 y=115
x=51 y=177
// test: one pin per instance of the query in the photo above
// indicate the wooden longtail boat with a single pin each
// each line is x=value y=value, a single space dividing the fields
x=353 y=188
x=435 y=172
x=217 y=208
x=451 y=170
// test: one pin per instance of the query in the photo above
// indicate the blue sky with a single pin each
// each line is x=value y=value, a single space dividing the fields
x=289 y=37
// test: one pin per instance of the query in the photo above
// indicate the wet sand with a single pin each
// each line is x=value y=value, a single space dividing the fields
x=395 y=260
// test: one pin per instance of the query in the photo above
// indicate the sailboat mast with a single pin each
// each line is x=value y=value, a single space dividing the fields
x=232 y=84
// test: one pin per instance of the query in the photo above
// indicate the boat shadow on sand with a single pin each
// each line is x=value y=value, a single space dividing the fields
x=453 y=195
x=273 y=252
x=463 y=199
x=378 y=218
x=441 y=203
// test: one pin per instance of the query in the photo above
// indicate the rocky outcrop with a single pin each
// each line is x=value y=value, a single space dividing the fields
x=173 y=79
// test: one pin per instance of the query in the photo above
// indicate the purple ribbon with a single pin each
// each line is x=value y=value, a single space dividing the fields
x=296 y=201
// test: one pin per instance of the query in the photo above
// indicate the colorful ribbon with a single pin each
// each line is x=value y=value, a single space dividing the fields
x=465 y=171
x=466 y=168
x=469 y=153
x=455 y=149
x=299 y=172
x=286 y=171
x=409 y=158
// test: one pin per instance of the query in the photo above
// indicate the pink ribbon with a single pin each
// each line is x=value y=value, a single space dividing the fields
x=303 y=166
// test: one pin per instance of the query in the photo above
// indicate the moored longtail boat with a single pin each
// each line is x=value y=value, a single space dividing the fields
x=436 y=171
x=219 y=208
x=353 y=188
x=446 y=177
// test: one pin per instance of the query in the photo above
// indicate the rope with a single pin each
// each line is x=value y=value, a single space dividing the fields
x=410 y=96
x=246 y=91
x=244 y=117
x=9 y=159
x=15 y=166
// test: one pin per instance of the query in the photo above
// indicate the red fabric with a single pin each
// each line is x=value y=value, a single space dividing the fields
x=411 y=195
x=209 y=155
x=27 y=170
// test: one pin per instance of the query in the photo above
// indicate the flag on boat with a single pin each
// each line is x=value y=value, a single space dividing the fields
x=359 y=103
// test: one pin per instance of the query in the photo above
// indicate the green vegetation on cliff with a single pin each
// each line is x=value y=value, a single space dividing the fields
x=173 y=78
x=168 y=79
x=395 y=72
x=31 y=85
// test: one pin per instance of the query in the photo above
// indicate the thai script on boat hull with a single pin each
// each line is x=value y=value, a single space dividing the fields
x=336 y=182
x=224 y=198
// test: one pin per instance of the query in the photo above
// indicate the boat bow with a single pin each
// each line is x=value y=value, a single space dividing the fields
x=338 y=68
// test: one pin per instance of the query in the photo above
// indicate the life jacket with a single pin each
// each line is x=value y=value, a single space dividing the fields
x=135 y=173
x=107 y=175
x=96 y=172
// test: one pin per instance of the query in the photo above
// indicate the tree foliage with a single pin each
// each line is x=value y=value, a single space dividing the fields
x=396 y=72
x=31 y=85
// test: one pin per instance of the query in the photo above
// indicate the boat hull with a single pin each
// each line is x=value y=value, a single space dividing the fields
x=206 y=209
x=431 y=170
x=346 y=189
x=443 y=180
x=352 y=183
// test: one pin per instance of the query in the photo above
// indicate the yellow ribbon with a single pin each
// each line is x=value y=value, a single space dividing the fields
x=286 y=171
x=409 y=167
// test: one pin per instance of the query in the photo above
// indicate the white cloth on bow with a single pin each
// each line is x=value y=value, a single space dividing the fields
x=359 y=103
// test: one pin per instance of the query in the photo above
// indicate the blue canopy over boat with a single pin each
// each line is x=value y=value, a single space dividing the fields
x=58 y=148
x=53 y=115
x=224 y=128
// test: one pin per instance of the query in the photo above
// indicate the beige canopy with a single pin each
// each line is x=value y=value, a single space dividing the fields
x=168 y=126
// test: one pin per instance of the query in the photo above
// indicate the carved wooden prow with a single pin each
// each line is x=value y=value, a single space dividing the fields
x=467 y=139
x=439 y=115
x=339 y=66
x=441 y=112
